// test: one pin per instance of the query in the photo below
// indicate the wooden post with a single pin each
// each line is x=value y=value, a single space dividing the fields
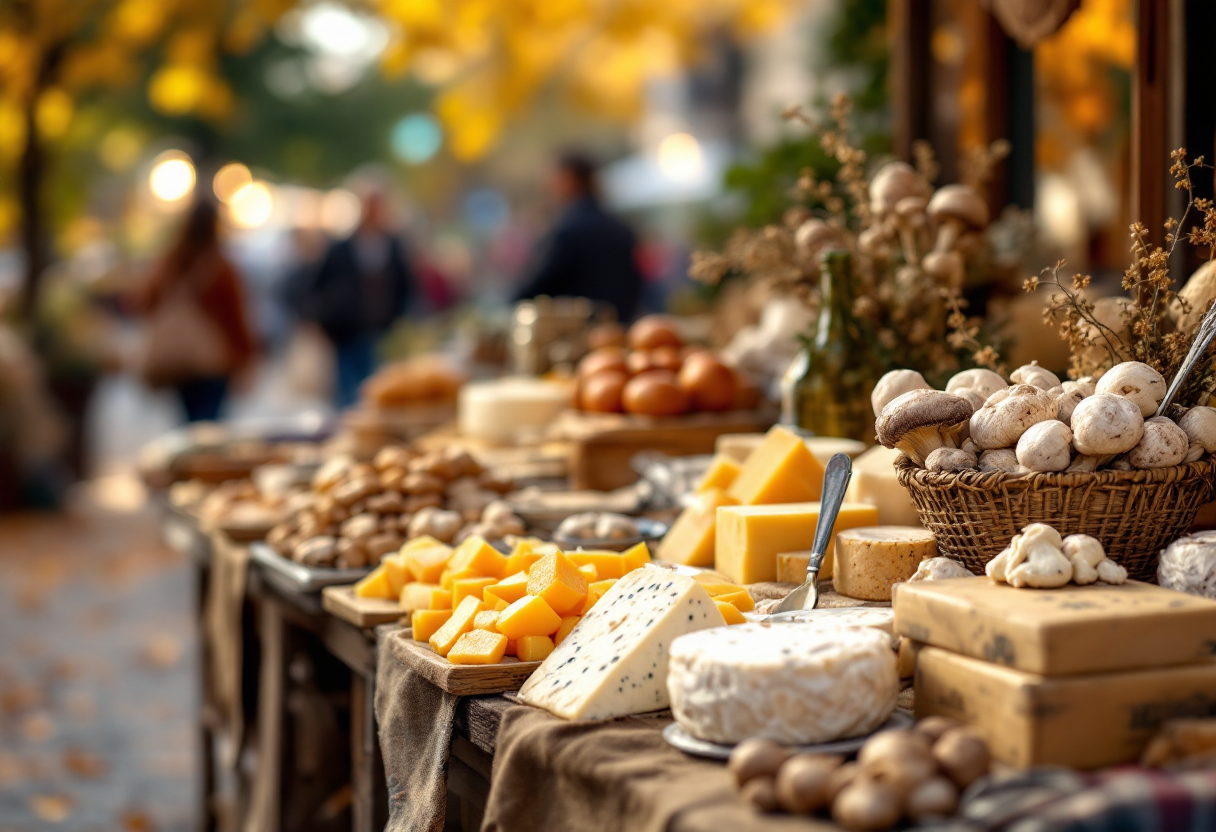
x=1151 y=183
x=909 y=24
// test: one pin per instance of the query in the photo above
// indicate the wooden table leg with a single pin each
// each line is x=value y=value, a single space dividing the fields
x=205 y=820
x=266 y=803
x=370 y=800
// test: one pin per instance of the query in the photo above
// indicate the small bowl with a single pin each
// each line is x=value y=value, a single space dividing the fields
x=649 y=532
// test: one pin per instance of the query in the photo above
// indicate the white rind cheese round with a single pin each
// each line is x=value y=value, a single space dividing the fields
x=790 y=683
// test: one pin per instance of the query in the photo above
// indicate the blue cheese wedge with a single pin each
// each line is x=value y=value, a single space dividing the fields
x=614 y=662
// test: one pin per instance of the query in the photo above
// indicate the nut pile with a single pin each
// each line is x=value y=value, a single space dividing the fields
x=916 y=774
x=1038 y=424
x=358 y=512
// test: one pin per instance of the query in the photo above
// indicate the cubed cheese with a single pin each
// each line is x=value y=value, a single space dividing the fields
x=568 y=623
x=782 y=470
x=478 y=647
x=426 y=563
x=529 y=616
x=533 y=648
x=750 y=537
x=450 y=576
x=723 y=471
x=525 y=554
x=556 y=579
x=460 y=623
x=486 y=620
x=635 y=557
x=416 y=596
x=466 y=587
x=425 y=623
x=690 y=541
x=476 y=554
x=730 y=613
x=607 y=564
x=374 y=585
x=742 y=600
x=614 y=662
x=874 y=481
x=509 y=589
x=397 y=572
x=588 y=570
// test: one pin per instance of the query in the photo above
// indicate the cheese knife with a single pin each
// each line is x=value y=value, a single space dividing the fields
x=835 y=482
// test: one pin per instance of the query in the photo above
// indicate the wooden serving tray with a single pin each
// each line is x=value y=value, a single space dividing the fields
x=459 y=679
x=341 y=602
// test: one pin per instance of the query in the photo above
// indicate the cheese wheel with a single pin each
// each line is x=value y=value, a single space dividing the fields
x=870 y=560
x=791 y=683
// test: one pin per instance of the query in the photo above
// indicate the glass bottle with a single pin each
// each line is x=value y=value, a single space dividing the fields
x=826 y=390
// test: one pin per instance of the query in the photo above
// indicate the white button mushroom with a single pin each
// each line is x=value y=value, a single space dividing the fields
x=984 y=382
x=951 y=460
x=921 y=421
x=1070 y=395
x=1000 y=459
x=1085 y=553
x=1046 y=446
x=938 y=569
x=1110 y=572
x=895 y=384
x=1136 y=382
x=1189 y=565
x=1044 y=567
x=1008 y=413
x=1199 y=423
x=1035 y=375
x=955 y=209
x=1105 y=424
x=971 y=395
x=1163 y=445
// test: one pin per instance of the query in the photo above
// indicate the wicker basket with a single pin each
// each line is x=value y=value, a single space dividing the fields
x=1134 y=513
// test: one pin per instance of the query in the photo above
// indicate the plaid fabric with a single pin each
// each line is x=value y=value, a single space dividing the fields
x=1125 y=799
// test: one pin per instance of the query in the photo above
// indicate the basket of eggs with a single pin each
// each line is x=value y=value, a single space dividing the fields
x=987 y=457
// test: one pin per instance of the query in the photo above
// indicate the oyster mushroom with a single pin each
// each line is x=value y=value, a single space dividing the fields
x=1070 y=395
x=951 y=460
x=1044 y=567
x=984 y=382
x=1163 y=445
x=894 y=384
x=1034 y=537
x=1136 y=382
x=1035 y=375
x=955 y=209
x=921 y=421
x=1199 y=423
x=1000 y=459
x=1105 y=424
x=1008 y=413
x=1045 y=446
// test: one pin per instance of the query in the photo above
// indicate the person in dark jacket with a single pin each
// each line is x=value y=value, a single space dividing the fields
x=363 y=285
x=589 y=253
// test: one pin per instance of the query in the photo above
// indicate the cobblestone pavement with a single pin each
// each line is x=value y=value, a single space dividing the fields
x=97 y=669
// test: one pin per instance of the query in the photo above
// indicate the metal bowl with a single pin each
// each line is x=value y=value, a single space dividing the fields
x=649 y=532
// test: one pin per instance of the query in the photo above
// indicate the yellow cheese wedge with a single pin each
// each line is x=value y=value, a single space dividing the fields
x=750 y=537
x=568 y=623
x=607 y=564
x=524 y=555
x=741 y=600
x=466 y=587
x=635 y=557
x=486 y=620
x=426 y=563
x=529 y=616
x=588 y=570
x=451 y=576
x=534 y=648
x=690 y=541
x=556 y=579
x=374 y=585
x=722 y=473
x=729 y=612
x=397 y=573
x=782 y=470
x=476 y=554
x=460 y=623
x=478 y=647
x=509 y=589
x=426 y=623
x=416 y=596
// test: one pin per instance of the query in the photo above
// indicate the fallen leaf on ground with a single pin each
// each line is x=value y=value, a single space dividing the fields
x=136 y=820
x=162 y=651
x=84 y=764
x=38 y=727
x=18 y=698
x=52 y=808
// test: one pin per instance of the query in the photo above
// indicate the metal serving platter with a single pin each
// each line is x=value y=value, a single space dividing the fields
x=649 y=531
x=681 y=739
x=299 y=577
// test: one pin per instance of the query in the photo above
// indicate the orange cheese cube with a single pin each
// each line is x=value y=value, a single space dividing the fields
x=476 y=554
x=750 y=537
x=529 y=616
x=782 y=470
x=588 y=570
x=568 y=623
x=374 y=585
x=511 y=648
x=478 y=647
x=426 y=563
x=607 y=564
x=557 y=580
x=486 y=620
x=465 y=587
x=416 y=596
x=495 y=603
x=730 y=612
x=722 y=473
x=716 y=586
x=534 y=648
x=396 y=571
x=690 y=541
x=426 y=623
x=635 y=557
x=524 y=555
x=594 y=593
x=450 y=576
x=460 y=623
x=509 y=589
x=741 y=600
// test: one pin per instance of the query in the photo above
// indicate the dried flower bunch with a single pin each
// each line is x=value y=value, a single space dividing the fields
x=911 y=248
x=1154 y=324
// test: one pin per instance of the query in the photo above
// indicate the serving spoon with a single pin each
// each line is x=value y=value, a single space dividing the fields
x=835 y=482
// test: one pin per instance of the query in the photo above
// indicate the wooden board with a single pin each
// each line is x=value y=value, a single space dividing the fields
x=460 y=679
x=341 y=602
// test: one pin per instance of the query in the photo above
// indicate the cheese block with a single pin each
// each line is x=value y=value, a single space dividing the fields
x=496 y=411
x=614 y=661
x=1069 y=630
x=874 y=482
x=791 y=683
x=870 y=560
x=782 y=470
x=749 y=538
x=1089 y=721
x=723 y=471
x=690 y=541
x=739 y=446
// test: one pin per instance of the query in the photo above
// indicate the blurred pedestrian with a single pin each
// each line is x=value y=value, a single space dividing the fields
x=364 y=284
x=198 y=336
x=589 y=253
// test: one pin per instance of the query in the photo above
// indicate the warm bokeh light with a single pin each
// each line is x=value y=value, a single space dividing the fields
x=251 y=205
x=229 y=179
x=340 y=212
x=172 y=177
x=680 y=157
x=120 y=148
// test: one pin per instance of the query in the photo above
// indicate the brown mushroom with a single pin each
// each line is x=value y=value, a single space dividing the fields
x=946 y=268
x=802 y=783
x=813 y=236
x=921 y=421
x=756 y=758
x=937 y=797
x=761 y=792
x=867 y=806
x=963 y=756
x=955 y=209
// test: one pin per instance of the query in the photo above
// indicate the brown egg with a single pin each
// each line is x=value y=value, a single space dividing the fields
x=654 y=331
x=667 y=358
x=639 y=361
x=709 y=383
x=604 y=359
x=747 y=393
x=654 y=393
x=601 y=392
x=603 y=335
